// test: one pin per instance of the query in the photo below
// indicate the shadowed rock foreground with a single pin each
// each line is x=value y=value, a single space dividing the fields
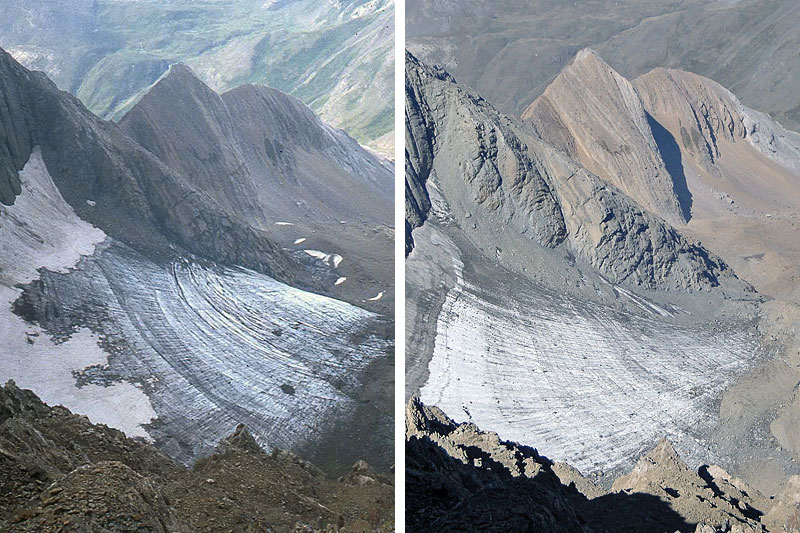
x=59 y=472
x=459 y=478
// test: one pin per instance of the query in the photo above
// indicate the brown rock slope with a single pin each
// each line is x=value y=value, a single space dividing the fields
x=59 y=472
x=742 y=173
x=673 y=138
x=596 y=116
x=460 y=478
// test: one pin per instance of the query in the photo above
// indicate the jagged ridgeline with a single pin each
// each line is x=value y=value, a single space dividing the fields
x=509 y=55
x=460 y=478
x=210 y=260
x=59 y=472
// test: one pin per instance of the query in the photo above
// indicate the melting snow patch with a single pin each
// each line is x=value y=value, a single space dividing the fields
x=284 y=224
x=300 y=241
x=376 y=298
x=42 y=231
x=91 y=203
x=333 y=260
x=340 y=281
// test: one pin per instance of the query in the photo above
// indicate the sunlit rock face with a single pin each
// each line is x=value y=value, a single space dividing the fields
x=547 y=305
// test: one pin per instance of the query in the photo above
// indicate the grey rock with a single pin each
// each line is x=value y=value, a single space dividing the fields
x=139 y=200
x=532 y=197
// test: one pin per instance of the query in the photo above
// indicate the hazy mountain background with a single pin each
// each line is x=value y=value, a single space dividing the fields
x=510 y=50
x=335 y=55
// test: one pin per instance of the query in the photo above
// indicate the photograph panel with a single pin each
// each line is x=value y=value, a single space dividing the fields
x=197 y=265
x=602 y=257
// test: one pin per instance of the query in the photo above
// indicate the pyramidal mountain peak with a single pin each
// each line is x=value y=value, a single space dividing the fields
x=247 y=165
x=596 y=116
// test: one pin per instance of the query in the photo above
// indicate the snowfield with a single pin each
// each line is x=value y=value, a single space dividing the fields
x=42 y=231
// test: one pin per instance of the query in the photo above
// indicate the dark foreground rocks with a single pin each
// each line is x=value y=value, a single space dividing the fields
x=459 y=478
x=59 y=472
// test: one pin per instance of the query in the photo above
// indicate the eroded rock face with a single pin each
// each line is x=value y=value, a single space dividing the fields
x=508 y=189
x=596 y=116
x=260 y=153
x=477 y=157
x=15 y=138
x=702 y=115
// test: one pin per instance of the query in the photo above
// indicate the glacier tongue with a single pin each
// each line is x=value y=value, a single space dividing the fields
x=593 y=386
x=215 y=346
x=42 y=231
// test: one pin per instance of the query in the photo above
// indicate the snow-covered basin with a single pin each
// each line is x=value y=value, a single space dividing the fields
x=42 y=231
x=583 y=383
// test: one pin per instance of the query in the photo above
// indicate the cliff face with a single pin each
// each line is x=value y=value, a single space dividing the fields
x=596 y=116
x=137 y=198
x=524 y=192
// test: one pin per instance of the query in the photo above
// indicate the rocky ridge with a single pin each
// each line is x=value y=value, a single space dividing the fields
x=457 y=475
x=249 y=166
x=596 y=116
x=128 y=186
x=704 y=115
x=528 y=197
x=62 y=473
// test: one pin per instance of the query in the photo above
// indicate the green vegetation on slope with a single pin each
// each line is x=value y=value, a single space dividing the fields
x=337 y=55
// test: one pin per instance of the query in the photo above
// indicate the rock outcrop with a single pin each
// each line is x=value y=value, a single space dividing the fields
x=260 y=153
x=526 y=195
x=596 y=116
x=59 y=472
x=460 y=478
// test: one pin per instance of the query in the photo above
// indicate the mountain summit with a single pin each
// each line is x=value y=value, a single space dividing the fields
x=596 y=116
x=259 y=152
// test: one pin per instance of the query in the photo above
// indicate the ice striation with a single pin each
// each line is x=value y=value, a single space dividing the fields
x=179 y=352
x=214 y=346
x=594 y=386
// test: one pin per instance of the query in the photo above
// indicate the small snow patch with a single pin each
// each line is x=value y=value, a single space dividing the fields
x=340 y=281
x=284 y=224
x=376 y=298
x=91 y=203
x=333 y=260
x=300 y=241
